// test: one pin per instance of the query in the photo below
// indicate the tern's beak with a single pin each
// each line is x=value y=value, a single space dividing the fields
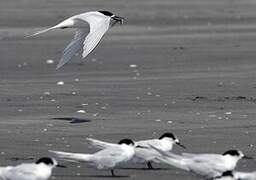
x=118 y=19
x=181 y=145
x=61 y=166
x=247 y=157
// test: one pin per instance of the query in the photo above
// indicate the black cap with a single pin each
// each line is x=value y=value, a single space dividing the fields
x=106 y=13
x=169 y=135
x=227 y=173
x=126 y=141
x=232 y=152
x=45 y=160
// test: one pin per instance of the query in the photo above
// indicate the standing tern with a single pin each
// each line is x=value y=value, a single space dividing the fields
x=143 y=152
x=206 y=165
x=148 y=155
x=237 y=175
x=86 y=38
x=40 y=170
x=108 y=158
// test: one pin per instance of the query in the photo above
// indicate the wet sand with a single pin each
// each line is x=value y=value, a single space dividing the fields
x=194 y=76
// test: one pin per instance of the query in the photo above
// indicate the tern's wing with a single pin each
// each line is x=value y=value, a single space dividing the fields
x=245 y=175
x=75 y=157
x=110 y=152
x=73 y=47
x=23 y=172
x=171 y=159
x=189 y=155
x=83 y=39
x=147 y=143
x=167 y=153
x=143 y=151
x=99 y=144
x=210 y=165
x=98 y=27
x=203 y=168
x=110 y=157
x=213 y=158
x=4 y=171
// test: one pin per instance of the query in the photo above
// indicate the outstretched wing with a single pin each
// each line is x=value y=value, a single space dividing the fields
x=83 y=39
x=74 y=46
x=97 y=31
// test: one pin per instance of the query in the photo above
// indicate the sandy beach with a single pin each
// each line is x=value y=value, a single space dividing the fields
x=182 y=66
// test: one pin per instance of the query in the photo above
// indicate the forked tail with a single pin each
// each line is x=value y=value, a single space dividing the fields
x=41 y=32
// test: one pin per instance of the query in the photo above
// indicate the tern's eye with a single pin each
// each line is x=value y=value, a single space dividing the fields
x=106 y=13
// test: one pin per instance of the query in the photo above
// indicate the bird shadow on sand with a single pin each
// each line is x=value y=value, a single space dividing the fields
x=72 y=120
x=98 y=176
x=107 y=176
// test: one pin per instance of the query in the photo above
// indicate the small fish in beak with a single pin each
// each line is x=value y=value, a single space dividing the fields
x=247 y=157
x=118 y=19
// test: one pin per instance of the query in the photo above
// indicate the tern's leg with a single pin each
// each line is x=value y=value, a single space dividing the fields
x=149 y=165
x=112 y=172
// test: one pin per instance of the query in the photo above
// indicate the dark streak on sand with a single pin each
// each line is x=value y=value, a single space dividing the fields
x=72 y=120
x=224 y=99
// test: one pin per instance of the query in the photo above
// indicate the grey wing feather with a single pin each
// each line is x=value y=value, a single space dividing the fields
x=22 y=172
x=167 y=154
x=94 y=37
x=74 y=47
x=71 y=156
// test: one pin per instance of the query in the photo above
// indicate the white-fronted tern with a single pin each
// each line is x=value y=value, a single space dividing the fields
x=108 y=158
x=237 y=175
x=86 y=38
x=40 y=170
x=143 y=152
x=206 y=165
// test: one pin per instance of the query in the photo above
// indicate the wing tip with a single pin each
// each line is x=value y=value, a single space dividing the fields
x=60 y=64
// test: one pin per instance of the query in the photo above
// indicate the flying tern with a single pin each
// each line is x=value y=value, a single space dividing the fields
x=90 y=28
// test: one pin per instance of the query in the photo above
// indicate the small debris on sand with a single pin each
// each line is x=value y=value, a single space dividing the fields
x=133 y=66
x=81 y=111
x=49 y=61
x=60 y=83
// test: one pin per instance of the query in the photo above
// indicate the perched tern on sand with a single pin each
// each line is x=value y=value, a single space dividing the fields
x=108 y=158
x=40 y=170
x=148 y=155
x=143 y=152
x=236 y=175
x=206 y=165
x=90 y=28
